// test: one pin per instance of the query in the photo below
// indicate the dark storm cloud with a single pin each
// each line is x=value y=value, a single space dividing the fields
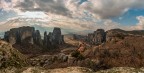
x=52 y=6
x=26 y=5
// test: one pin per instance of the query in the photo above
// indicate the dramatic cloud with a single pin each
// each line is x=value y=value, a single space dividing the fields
x=140 y=25
x=4 y=5
x=90 y=14
x=60 y=21
x=111 y=8
x=72 y=8
x=50 y=6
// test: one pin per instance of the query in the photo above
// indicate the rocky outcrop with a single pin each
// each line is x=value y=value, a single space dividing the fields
x=115 y=35
x=78 y=37
x=20 y=35
x=37 y=38
x=119 y=34
x=28 y=35
x=98 y=37
x=54 y=38
x=47 y=60
x=10 y=56
x=95 y=38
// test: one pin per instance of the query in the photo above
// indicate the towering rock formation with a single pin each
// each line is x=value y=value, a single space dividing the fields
x=45 y=41
x=28 y=35
x=54 y=38
x=98 y=37
x=57 y=37
x=37 y=38
x=19 y=35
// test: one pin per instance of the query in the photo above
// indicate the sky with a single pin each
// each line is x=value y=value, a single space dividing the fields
x=73 y=14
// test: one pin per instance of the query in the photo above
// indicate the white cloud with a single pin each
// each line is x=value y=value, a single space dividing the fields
x=111 y=8
x=98 y=8
x=91 y=14
x=35 y=14
x=140 y=24
x=5 y=5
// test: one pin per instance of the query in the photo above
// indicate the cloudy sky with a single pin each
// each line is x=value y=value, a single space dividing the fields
x=73 y=14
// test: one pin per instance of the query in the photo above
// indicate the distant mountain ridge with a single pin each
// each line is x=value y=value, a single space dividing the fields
x=134 y=32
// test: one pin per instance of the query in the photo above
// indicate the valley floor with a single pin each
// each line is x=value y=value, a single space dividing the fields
x=116 y=56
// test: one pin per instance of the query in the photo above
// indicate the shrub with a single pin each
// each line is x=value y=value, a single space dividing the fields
x=77 y=55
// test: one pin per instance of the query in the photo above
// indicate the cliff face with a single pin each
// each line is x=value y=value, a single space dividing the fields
x=97 y=37
x=115 y=35
x=54 y=38
x=28 y=35
x=19 y=35
x=57 y=37
x=100 y=36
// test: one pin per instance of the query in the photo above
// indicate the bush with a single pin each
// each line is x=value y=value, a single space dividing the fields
x=120 y=36
x=77 y=55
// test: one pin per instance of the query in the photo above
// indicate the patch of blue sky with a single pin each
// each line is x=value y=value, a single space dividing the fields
x=4 y=15
x=81 y=1
x=8 y=0
x=130 y=17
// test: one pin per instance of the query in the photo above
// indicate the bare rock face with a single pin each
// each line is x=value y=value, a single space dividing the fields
x=28 y=35
x=115 y=35
x=19 y=35
x=24 y=33
x=37 y=38
x=57 y=37
x=97 y=37
x=47 y=41
x=54 y=38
